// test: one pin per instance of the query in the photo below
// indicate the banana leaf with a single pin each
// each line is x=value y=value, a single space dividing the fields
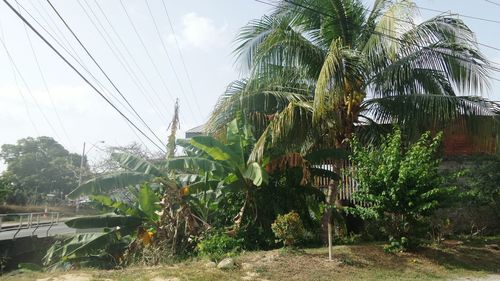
x=136 y=164
x=109 y=182
x=106 y=221
x=256 y=174
x=148 y=202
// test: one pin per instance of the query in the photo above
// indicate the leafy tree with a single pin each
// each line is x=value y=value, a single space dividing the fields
x=399 y=186
x=41 y=165
x=5 y=188
x=319 y=68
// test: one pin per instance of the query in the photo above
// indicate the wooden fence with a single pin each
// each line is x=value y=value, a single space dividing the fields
x=348 y=185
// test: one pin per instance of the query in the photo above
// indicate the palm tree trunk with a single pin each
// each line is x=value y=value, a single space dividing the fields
x=331 y=196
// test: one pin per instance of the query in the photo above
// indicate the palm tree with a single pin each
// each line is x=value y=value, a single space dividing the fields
x=318 y=69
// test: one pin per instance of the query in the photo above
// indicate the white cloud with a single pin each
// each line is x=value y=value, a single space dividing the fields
x=200 y=32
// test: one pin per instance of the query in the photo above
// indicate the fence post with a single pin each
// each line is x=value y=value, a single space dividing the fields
x=30 y=220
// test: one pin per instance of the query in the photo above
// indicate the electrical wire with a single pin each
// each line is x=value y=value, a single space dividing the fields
x=25 y=102
x=120 y=57
x=102 y=71
x=497 y=69
x=129 y=53
x=73 y=55
x=28 y=89
x=143 y=44
x=79 y=73
x=188 y=76
x=492 y=2
x=164 y=47
x=49 y=94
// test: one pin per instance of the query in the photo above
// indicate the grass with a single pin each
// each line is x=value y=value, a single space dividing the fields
x=358 y=262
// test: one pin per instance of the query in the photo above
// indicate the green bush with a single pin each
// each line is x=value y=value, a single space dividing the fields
x=218 y=246
x=401 y=187
x=288 y=229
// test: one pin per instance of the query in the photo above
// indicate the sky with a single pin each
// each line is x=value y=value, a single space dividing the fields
x=190 y=59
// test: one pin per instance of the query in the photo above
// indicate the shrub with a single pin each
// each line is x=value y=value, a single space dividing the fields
x=400 y=186
x=218 y=246
x=288 y=229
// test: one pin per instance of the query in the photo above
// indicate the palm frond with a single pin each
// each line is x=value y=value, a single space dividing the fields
x=342 y=67
x=422 y=112
x=291 y=125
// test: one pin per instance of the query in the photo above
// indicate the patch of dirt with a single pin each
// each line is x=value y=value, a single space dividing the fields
x=69 y=277
x=165 y=279
x=494 y=277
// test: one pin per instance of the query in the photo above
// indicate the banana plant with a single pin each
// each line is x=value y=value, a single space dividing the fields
x=129 y=222
x=230 y=168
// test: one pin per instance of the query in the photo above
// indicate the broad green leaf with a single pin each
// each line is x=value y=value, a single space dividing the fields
x=215 y=149
x=317 y=156
x=197 y=164
x=324 y=173
x=109 y=182
x=203 y=186
x=81 y=246
x=105 y=221
x=256 y=174
x=135 y=163
x=148 y=201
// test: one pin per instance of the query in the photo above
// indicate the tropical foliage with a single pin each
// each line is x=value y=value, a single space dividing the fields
x=400 y=186
x=324 y=77
x=320 y=70
x=132 y=221
x=288 y=229
x=218 y=246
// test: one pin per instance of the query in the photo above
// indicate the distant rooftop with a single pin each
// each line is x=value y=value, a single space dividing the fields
x=196 y=131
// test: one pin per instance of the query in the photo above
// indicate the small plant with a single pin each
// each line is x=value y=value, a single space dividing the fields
x=218 y=246
x=396 y=245
x=288 y=229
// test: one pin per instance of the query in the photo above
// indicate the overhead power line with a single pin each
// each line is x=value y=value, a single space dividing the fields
x=45 y=84
x=461 y=15
x=28 y=89
x=492 y=2
x=181 y=55
x=497 y=69
x=79 y=73
x=102 y=70
x=98 y=25
x=73 y=55
x=164 y=47
x=148 y=54
x=25 y=102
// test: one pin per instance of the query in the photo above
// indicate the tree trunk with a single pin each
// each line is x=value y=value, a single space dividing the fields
x=330 y=199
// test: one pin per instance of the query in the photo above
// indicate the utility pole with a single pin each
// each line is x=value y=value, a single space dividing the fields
x=81 y=165
x=81 y=169
x=80 y=177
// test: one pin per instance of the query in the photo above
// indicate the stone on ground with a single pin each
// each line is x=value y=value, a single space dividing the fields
x=227 y=263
